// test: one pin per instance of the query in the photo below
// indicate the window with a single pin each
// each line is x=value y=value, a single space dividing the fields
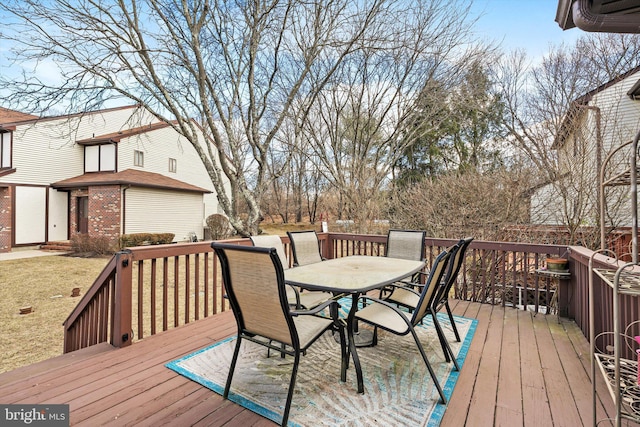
x=173 y=165
x=5 y=150
x=138 y=158
x=98 y=158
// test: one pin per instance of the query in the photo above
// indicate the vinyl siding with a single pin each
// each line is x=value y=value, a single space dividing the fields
x=31 y=205
x=158 y=147
x=45 y=152
x=159 y=211
x=620 y=121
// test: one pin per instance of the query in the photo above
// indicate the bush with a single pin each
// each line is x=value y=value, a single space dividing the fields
x=83 y=243
x=218 y=226
x=139 y=239
x=463 y=204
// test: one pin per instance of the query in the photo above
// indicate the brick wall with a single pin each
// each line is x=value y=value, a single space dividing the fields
x=104 y=211
x=6 y=194
x=73 y=210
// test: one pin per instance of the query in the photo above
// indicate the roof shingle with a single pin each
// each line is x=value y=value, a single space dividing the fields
x=133 y=177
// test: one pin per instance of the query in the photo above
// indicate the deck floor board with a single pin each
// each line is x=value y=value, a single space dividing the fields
x=521 y=369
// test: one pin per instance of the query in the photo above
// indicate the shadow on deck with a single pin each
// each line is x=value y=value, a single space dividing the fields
x=521 y=370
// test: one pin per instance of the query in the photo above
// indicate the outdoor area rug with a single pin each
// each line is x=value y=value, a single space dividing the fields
x=398 y=388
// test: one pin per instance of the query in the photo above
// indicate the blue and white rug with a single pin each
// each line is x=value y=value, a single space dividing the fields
x=398 y=388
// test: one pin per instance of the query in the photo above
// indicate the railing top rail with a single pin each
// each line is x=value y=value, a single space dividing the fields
x=141 y=253
x=600 y=260
x=107 y=272
x=477 y=244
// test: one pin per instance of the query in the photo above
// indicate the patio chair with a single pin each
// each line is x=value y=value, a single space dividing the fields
x=305 y=247
x=442 y=299
x=405 y=244
x=296 y=297
x=389 y=317
x=407 y=298
x=254 y=280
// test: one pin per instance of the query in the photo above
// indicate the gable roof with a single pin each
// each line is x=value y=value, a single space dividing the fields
x=7 y=116
x=117 y=136
x=132 y=177
x=576 y=108
x=11 y=123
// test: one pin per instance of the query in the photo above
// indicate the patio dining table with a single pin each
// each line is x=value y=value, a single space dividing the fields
x=353 y=275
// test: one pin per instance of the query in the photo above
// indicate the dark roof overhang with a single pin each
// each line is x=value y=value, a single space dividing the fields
x=130 y=177
x=115 y=137
x=611 y=16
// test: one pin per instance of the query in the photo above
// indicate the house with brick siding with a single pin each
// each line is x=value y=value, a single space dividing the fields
x=104 y=173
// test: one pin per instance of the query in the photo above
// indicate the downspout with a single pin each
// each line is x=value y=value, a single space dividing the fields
x=599 y=176
x=634 y=201
x=599 y=147
x=123 y=205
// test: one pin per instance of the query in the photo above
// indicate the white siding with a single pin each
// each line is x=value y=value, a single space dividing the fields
x=108 y=157
x=92 y=158
x=620 y=121
x=546 y=207
x=58 y=215
x=46 y=152
x=30 y=222
x=158 y=147
x=158 y=211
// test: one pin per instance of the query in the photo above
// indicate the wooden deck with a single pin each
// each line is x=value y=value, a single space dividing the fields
x=521 y=370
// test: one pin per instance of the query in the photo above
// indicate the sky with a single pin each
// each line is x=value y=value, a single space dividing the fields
x=526 y=24
x=512 y=24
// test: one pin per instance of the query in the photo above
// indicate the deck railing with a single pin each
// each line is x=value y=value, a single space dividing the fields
x=148 y=289
x=603 y=296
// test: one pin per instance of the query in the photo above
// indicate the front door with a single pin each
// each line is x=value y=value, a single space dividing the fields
x=83 y=215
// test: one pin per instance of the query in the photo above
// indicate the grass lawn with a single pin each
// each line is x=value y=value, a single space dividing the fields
x=44 y=283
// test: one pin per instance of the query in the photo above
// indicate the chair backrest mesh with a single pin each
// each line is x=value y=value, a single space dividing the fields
x=431 y=286
x=272 y=241
x=405 y=244
x=255 y=286
x=455 y=263
x=305 y=247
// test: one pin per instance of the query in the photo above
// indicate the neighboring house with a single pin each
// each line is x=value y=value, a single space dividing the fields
x=105 y=173
x=595 y=125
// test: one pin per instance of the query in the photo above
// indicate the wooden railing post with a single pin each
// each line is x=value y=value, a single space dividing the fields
x=122 y=314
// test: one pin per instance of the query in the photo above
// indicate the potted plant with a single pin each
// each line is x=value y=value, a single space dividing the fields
x=557 y=264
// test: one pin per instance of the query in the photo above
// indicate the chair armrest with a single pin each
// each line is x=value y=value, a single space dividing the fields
x=408 y=286
x=379 y=301
x=297 y=293
x=316 y=309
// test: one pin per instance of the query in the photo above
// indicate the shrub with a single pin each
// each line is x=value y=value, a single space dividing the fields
x=83 y=243
x=218 y=226
x=139 y=239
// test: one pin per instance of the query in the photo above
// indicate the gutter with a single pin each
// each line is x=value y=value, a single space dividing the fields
x=584 y=19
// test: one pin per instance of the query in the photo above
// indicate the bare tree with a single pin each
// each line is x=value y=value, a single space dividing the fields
x=240 y=68
x=360 y=125
x=548 y=101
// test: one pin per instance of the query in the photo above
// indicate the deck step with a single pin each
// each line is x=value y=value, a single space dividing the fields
x=64 y=245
